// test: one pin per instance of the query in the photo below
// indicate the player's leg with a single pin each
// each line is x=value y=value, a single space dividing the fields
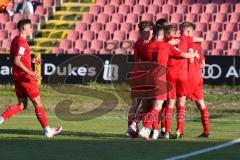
x=181 y=113
x=204 y=118
x=162 y=119
x=14 y=109
x=168 y=118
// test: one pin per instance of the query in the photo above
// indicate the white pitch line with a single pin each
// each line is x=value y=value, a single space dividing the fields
x=217 y=147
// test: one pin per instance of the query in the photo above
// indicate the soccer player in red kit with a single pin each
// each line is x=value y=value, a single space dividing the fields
x=134 y=113
x=25 y=79
x=158 y=52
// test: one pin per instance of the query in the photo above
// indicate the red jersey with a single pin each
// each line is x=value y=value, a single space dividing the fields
x=180 y=65
x=20 y=47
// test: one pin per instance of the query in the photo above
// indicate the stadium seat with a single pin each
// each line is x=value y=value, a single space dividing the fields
x=117 y=18
x=131 y=2
x=126 y=27
x=119 y=35
x=18 y=16
x=217 y=1
x=89 y=51
x=221 y=17
x=237 y=8
x=65 y=44
x=132 y=18
x=232 y=27
x=104 y=51
x=147 y=17
x=198 y=34
x=73 y=35
x=116 y=2
x=35 y=19
x=14 y=33
x=176 y=18
x=187 y=2
x=217 y=52
x=234 y=48
x=232 y=52
x=181 y=8
x=172 y=2
x=138 y=9
x=81 y=27
x=111 y=27
x=226 y=36
x=96 y=27
x=159 y=2
x=192 y=17
x=206 y=17
x=104 y=35
x=217 y=27
x=221 y=45
x=210 y=36
x=40 y=10
x=4 y=18
x=201 y=27
x=101 y=2
x=153 y=9
x=207 y=45
x=3 y=34
x=73 y=51
x=95 y=10
x=196 y=8
x=10 y=26
x=203 y=1
x=109 y=9
x=144 y=2
x=167 y=9
x=234 y=17
x=162 y=15
x=124 y=9
x=103 y=18
x=81 y=44
x=88 y=35
x=97 y=44
x=226 y=8
x=111 y=45
x=133 y=36
x=57 y=51
x=88 y=18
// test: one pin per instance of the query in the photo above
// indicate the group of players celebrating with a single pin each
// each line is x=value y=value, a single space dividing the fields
x=174 y=76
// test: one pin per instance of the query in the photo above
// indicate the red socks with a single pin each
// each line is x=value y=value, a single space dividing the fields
x=168 y=119
x=155 y=119
x=181 y=113
x=11 y=111
x=205 y=120
x=163 y=117
x=151 y=119
x=41 y=116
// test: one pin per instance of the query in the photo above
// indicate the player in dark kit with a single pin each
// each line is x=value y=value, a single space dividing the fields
x=25 y=79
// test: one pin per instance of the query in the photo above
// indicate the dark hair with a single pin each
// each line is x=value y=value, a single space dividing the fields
x=145 y=24
x=161 y=22
x=170 y=27
x=186 y=25
x=22 y=23
x=157 y=29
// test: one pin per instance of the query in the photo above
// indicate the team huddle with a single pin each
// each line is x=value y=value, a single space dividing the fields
x=174 y=76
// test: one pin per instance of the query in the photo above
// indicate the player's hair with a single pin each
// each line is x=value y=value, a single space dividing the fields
x=171 y=27
x=22 y=23
x=157 y=29
x=161 y=22
x=145 y=24
x=186 y=25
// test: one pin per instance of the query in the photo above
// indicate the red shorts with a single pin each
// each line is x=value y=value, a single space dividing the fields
x=27 y=88
x=178 y=86
x=195 y=91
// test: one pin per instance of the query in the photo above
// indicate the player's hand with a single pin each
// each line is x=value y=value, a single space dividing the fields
x=202 y=64
x=196 y=54
x=174 y=42
x=37 y=61
x=35 y=76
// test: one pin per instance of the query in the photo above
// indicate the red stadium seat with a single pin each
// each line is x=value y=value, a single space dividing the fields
x=187 y=2
x=172 y=2
x=237 y=8
x=226 y=36
x=10 y=26
x=81 y=27
x=235 y=45
x=124 y=9
x=101 y=2
x=192 y=17
x=211 y=36
x=232 y=52
x=111 y=27
x=181 y=8
x=73 y=51
x=221 y=45
x=211 y=8
x=97 y=44
x=130 y=3
x=196 y=8
x=217 y=27
x=89 y=51
x=116 y=2
x=138 y=9
x=40 y=10
x=126 y=27
x=96 y=27
x=103 y=18
x=73 y=35
x=14 y=33
x=217 y=52
x=232 y=27
x=132 y=18
x=221 y=17
x=95 y=10
x=119 y=35
x=3 y=34
x=144 y=2
x=201 y=27
x=88 y=35
x=207 y=45
x=234 y=48
x=159 y=2
x=81 y=44
x=198 y=34
x=109 y=9
x=176 y=18
x=162 y=15
x=203 y=1
x=133 y=36
x=4 y=18
x=65 y=44
x=104 y=35
x=117 y=18
x=57 y=51
x=206 y=17
x=147 y=17
x=217 y=1
x=153 y=9
x=167 y=9
x=18 y=17
x=35 y=19
x=104 y=51
x=88 y=18
x=226 y=8
x=48 y=3
x=235 y=17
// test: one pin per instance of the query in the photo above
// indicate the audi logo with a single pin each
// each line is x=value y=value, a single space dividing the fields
x=212 y=71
